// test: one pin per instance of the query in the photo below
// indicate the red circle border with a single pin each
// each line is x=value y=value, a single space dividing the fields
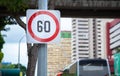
x=42 y=39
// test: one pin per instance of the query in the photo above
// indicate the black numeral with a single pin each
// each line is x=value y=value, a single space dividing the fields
x=43 y=26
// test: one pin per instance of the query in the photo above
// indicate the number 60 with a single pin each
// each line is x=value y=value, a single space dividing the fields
x=43 y=26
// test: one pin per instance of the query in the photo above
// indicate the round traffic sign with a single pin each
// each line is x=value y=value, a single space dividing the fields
x=46 y=27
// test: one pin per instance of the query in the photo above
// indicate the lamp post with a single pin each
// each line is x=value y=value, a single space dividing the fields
x=19 y=51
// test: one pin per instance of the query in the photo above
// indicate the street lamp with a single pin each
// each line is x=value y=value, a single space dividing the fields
x=19 y=51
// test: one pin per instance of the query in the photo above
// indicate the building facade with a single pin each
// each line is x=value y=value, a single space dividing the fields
x=113 y=36
x=88 y=38
x=112 y=40
x=80 y=39
x=59 y=55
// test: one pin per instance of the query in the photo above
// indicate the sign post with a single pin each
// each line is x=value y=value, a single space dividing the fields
x=42 y=60
x=43 y=27
x=42 y=52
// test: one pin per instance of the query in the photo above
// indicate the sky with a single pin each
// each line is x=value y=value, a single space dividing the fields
x=16 y=37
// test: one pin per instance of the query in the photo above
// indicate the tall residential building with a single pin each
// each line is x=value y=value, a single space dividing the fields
x=88 y=38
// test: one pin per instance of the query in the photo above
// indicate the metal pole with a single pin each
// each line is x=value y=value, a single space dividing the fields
x=42 y=49
x=43 y=4
x=42 y=60
x=19 y=51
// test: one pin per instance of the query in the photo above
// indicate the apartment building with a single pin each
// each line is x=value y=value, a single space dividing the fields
x=88 y=38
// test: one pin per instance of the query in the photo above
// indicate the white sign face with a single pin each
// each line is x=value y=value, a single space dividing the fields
x=43 y=26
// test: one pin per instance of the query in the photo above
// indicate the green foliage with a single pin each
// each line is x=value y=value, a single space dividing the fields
x=1 y=56
x=4 y=21
x=14 y=66
x=1 y=46
x=14 y=5
x=1 y=42
x=11 y=6
x=11 y=66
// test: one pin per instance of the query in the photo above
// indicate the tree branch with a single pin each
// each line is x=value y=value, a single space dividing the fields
x=20 y=22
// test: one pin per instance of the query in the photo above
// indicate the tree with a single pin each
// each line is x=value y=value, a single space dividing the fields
x=32 y=51
x=1 y=56
x=1 y=38
x=3 y=21
x=1 y=46
x=14 y=7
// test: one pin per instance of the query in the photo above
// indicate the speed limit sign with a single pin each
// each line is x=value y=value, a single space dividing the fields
x=43 y=26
